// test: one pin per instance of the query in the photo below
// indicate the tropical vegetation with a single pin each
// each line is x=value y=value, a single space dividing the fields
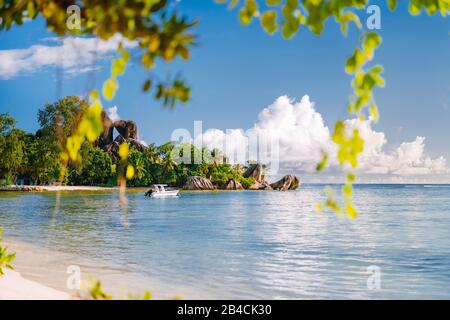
x=6 y=257
x=37 y=157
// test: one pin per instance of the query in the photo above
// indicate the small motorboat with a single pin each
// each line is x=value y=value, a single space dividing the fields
x=160 y=191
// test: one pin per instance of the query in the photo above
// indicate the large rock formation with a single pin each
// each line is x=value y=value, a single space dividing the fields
x=127 y=129
x=256 y=172
x=288 y=182
x=128 y=132
x=198 y=183
x=233 y=185
x=264 y=185
x=106 y=137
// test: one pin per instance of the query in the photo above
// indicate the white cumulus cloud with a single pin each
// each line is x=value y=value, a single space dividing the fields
x=72 y=54
x=302 y=136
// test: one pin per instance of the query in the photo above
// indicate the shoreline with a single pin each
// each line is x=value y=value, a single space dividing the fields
x=43 y=273
x=15 y=188
x=15 y=287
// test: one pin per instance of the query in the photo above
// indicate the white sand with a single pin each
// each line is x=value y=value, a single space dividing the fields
x=14 y=287
x=40 y=268
x=54 y=188
x=76 y=188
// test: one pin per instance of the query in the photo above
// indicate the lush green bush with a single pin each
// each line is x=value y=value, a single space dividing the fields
x=95 y=167
x=246 y=182
x=142 y=169
x=11 y=148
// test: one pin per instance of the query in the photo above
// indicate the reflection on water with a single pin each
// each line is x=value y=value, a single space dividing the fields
x=252 y=244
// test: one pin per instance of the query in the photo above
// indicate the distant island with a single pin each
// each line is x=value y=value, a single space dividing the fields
x=34 y=159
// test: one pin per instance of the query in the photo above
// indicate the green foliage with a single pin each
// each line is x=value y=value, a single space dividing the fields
x=43 y=164
x=95 y=168
x=11 y=148
x=322 y=165
x=172 y=92
x=147 y=295
x=41 y=160
x=58 y=123
x=6 y=257
x=6 y=124
x=269 y=21
x=142 y=166
x=89 y=128
x=246 y=182
x=343 y=204
x=96 y=291
x=160 y=31
x=61 y=118
x=289 y=15
x=248 y=11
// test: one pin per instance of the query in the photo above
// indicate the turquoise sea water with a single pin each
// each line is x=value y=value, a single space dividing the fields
x=253 y=244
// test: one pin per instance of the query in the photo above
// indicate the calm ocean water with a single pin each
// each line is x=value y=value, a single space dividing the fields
x=253 y=244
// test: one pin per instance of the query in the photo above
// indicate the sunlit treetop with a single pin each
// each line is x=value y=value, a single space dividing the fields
x=6 y=123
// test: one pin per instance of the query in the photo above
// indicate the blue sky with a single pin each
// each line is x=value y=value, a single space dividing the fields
x=237 y=71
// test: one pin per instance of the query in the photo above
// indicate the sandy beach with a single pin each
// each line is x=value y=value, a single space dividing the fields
x=36 y=275
x=14 y=287
x=54 y=188
x=42 y=274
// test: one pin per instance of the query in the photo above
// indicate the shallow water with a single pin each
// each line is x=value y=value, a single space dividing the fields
x=252 y=244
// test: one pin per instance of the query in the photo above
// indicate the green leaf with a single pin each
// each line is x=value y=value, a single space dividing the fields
x=322 y=163
x=118 y=67
x=31 y=10
x=431 y=7
x=351 y=178
x=273 y=2
x=269 y=21
x=392 y=4
x=109 y=88
x=232 y=4
x=346 y=18
x=249 y=11
x=347 y=190
x=371 y=41
x=355 y=62
x=351 y=211
x=293 y=4
x=374 y=112
x=147 y=85
x=290 y=27
x=415 y=7
x=93 y=95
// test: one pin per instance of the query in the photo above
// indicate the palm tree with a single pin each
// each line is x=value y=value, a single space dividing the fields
x=168 y=163
x=216 y=154
x=152 y=153
x=139 y=168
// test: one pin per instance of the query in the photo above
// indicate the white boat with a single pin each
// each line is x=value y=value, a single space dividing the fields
x=160 y=191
